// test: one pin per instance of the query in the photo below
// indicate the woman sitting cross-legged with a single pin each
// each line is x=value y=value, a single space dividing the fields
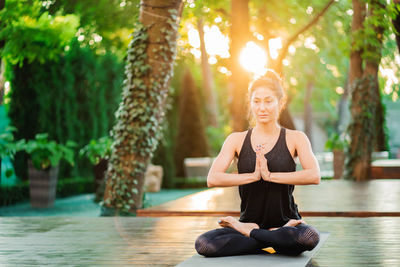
x=266 y=178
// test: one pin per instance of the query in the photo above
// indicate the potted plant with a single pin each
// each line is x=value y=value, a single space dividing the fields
x=98 y=152
x=43 y=163
x=8 y=147
x=337 y=144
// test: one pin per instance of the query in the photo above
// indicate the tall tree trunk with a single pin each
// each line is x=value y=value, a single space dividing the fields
x=149 y=68
x=308 y=111
x=356 y=70
x=239 y=80
x=396 y=23
x=211 y=103
x=371 y=70
x=359 y=151
x=366 y=108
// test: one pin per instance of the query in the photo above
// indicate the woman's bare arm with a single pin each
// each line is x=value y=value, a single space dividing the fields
x=310 y=173
x=217 y=175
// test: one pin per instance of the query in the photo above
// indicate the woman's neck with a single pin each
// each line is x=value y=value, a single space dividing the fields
x=267 y=128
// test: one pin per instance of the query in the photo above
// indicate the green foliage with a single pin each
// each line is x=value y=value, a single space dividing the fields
x=375 y=27
x=110 y=20
x=13 y=194
x=216 y=137
x=45 y=153
x=97 y=149
x=8 y=147
x=33 y=35
x=74 y=99
x=325 y=65
x=74 y=186
x=337 y=142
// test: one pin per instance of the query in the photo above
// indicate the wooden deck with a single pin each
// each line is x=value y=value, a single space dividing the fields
x=169 y=240
x=330 y=198
x=136 y=241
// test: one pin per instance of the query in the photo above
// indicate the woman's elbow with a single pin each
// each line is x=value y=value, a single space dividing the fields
x=210 y=181
x=317 y=178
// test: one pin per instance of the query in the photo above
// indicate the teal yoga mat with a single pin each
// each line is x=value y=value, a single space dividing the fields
x=256 y=260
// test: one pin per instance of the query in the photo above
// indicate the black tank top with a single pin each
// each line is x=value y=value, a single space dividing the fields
x=266 y=203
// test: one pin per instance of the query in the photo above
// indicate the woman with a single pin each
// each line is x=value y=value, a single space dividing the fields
x=266 y=178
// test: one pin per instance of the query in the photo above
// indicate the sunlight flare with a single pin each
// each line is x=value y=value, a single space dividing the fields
x=253 y=58
x=274 y=45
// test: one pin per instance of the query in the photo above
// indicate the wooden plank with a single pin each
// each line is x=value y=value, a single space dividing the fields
x=329 y=198
x=162 y=213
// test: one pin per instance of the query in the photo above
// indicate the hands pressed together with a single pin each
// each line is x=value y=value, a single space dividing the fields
x=261 y=168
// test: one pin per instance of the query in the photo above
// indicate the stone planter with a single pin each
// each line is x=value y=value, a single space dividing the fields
x=153 y=178
x=338 y=163
x=42 y=186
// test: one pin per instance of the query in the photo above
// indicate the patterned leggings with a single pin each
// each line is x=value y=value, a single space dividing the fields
x=290 y=240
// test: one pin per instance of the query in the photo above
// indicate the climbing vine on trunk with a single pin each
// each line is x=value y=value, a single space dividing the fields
x=149 y=68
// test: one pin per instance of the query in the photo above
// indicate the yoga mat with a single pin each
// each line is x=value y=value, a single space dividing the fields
x=257 y=259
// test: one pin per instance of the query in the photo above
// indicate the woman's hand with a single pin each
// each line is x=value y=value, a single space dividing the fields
x=257 y=170
x=262 y=161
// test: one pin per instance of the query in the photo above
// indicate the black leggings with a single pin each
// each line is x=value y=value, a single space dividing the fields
x=290 y=240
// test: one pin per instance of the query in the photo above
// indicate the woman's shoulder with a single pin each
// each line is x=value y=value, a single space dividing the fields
x=237 y=136
x=296 y=135
x=236 y=139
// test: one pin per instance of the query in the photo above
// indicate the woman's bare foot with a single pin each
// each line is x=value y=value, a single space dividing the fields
x=243 y=228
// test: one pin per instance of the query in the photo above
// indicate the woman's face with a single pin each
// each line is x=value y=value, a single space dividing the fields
x=264 y=105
